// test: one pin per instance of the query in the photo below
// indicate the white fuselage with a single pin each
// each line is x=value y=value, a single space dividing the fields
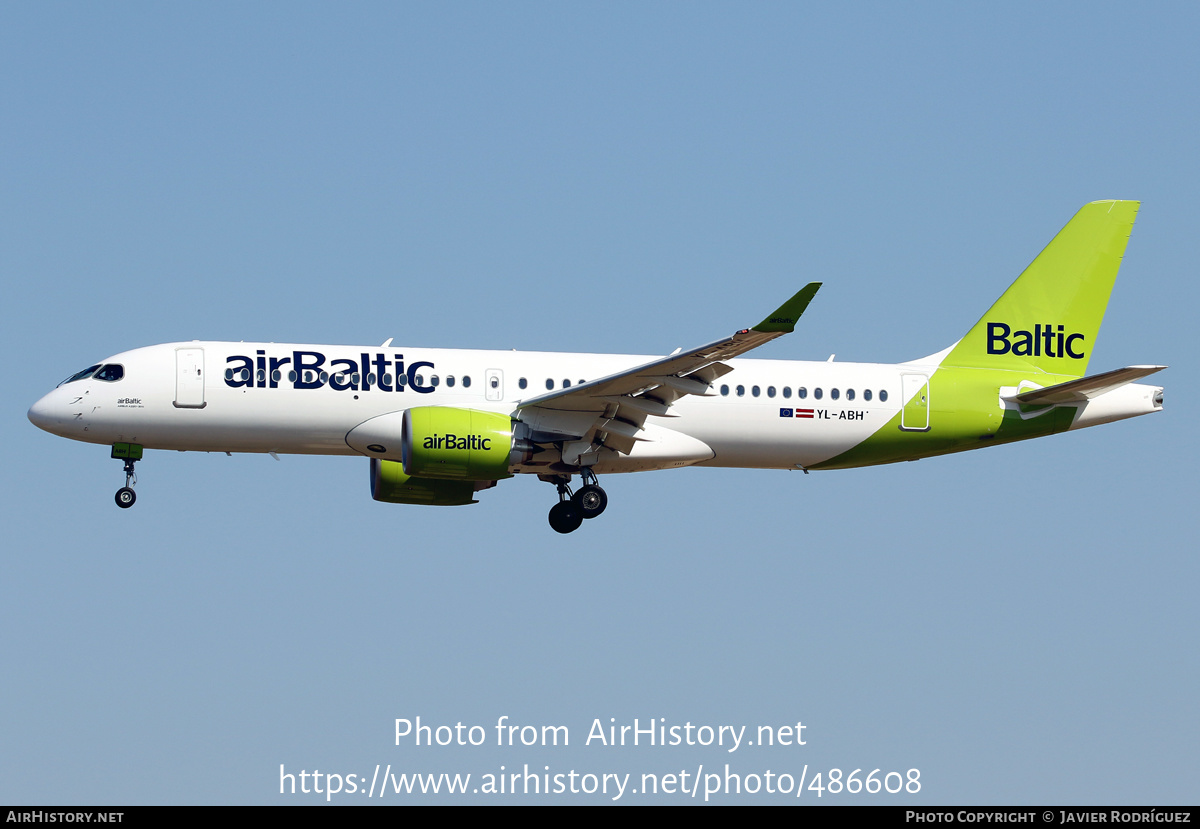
x=350 y=400
x=182 y=396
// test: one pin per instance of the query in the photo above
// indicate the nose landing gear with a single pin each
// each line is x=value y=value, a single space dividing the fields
x=131 y=453
x=567 y=515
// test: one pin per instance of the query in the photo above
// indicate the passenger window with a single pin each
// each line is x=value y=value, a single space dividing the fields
x=833 y=394
x=724 y=391
x=434 y=381
x=741 y=391
x=549 y=384
x=467 y=382
x=867 y=395
x=450 y=381
x=802 y=392
x=494 y=382
x=817 y=393
x=566 y=384
x=754 y=391
x=849 y=394
x=882 y=396
x=770 y=391
x=401 y=380
x=522 y=383
x=787 y=391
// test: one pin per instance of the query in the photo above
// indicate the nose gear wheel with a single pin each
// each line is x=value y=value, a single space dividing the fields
x=131 y=453
x=125 y=497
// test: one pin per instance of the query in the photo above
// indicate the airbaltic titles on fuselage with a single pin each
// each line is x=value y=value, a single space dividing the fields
x=311 y=370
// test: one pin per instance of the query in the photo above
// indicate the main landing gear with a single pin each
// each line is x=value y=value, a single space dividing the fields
x=567 y=515
x=131 y=453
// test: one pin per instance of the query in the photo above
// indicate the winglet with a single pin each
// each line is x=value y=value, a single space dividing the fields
x=784 y=319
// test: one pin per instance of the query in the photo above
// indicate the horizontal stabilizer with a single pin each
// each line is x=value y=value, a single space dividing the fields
x=1085 y=388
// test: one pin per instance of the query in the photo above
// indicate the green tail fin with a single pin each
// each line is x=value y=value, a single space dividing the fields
x=1048 y=319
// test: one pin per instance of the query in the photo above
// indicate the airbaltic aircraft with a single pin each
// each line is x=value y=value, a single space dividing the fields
x=439 y=425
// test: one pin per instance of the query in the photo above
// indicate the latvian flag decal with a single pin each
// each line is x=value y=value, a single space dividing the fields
x=796 y=413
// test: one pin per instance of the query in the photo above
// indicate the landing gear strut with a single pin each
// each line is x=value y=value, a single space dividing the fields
x=567 y=515
x=131 y=453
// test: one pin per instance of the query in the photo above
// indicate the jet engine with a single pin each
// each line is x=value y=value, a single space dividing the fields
x=460 y=444
x=390 y=483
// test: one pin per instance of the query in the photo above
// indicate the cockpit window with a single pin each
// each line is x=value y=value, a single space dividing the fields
x=83 y=375
x=110 y=373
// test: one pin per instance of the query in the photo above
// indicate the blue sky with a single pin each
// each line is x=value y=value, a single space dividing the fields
x=1018 y=624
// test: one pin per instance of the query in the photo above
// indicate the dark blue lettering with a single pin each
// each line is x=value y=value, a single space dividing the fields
x=262 y=371
x=301 y=367
x=1044 y=340
x=1022 y=343
x=412 y=377
x=381 y=376
x=348 y=370
x=276 y=362
x=996 y=340
x=236 y=377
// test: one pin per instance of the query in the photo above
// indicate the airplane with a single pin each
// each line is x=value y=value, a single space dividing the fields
x=440 y=425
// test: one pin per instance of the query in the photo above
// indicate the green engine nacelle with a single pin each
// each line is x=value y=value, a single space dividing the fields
x=457 y=444
x=390 y=484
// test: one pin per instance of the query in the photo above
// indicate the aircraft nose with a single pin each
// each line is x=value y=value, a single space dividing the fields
x=42 y=414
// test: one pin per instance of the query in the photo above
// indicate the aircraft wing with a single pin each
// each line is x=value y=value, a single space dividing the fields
x=612 y=410
x=1085 y=388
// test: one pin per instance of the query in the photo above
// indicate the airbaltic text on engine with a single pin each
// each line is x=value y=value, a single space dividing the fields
x=457 y=442
x=308 y=371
